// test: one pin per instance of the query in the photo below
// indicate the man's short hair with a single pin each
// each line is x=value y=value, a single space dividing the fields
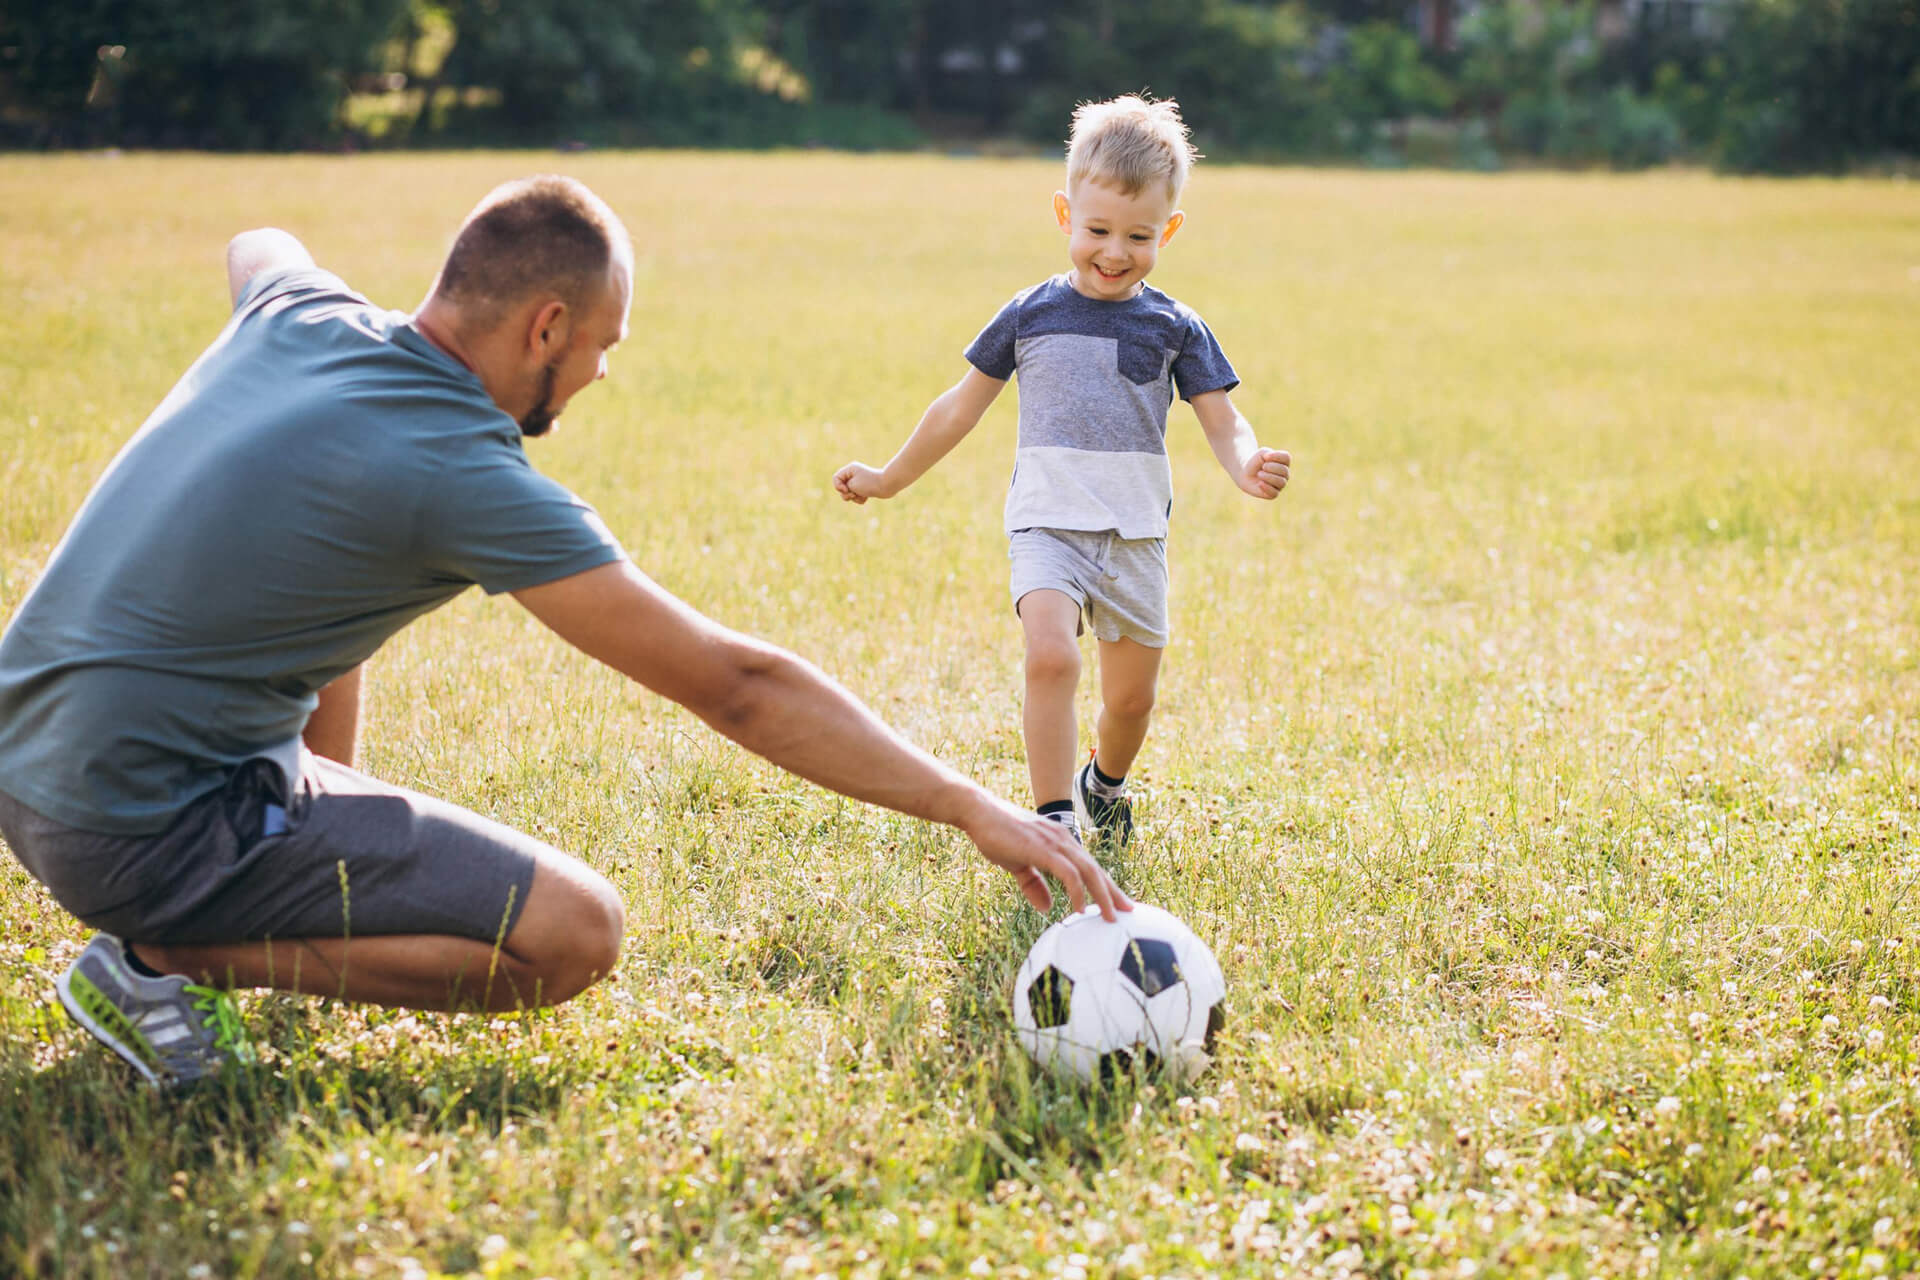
x=1130 y=143
x=545 y=234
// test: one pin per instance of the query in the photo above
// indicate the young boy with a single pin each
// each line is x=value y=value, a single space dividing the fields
x=1100 y=356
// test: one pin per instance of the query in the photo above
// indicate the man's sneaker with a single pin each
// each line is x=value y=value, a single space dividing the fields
x=172 y=1031
x=1107 y=817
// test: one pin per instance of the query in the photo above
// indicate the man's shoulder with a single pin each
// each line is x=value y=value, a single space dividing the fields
x=335 y=341
x=277 y=288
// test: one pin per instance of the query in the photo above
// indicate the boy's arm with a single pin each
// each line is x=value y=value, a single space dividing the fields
x=1260 y=472
x=946 y=422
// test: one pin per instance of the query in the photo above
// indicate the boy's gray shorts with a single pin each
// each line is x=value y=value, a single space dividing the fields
x=1119 y=583
x=335 y=853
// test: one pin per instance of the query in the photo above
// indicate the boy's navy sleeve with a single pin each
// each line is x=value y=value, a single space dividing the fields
x=992 y=352
x=1201 y=365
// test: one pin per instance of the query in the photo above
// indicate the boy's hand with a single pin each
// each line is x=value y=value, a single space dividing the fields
x=1264 y=474
x=856 y=482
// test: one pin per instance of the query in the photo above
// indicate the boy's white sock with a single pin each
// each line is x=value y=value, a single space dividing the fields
x=1101 y=785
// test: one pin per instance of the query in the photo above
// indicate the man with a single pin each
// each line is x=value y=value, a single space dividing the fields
x=180 y=692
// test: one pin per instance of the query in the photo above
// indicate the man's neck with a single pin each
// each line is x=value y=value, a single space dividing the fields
x=433 y=323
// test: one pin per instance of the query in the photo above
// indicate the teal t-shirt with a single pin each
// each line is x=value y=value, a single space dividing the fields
x=321 y=476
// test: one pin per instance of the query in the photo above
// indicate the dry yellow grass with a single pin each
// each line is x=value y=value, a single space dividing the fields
x=1542 y=767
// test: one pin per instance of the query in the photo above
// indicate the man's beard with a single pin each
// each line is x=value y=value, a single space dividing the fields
x=539 y=420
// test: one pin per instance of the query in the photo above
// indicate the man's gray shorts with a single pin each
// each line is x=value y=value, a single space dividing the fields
x=334 y=853
x=1119 y=583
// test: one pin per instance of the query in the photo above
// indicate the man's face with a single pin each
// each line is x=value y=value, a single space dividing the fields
x=1114 y=239
x=597 y=328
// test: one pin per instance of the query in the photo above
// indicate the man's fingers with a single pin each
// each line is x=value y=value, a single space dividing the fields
x=1069 y=877
x=1034 y=885
x=1105 y=894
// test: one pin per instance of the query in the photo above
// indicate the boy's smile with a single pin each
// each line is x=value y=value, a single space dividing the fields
x=1114 y=239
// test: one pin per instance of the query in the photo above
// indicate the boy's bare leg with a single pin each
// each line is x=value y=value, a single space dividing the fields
x=566 y=939
x=1050 y=620
x=1129 y=675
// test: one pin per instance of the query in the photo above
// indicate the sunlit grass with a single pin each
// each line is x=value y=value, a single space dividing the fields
x=1542 y=766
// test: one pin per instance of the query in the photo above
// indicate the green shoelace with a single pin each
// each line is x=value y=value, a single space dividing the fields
x=229 y=1033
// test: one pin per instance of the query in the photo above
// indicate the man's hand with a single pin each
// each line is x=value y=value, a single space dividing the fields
x=856 y=482
x=1025 y=845
x=1264 y=473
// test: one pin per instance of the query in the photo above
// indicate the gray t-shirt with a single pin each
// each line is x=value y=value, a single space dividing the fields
x=1096 y=381
x=320 y=477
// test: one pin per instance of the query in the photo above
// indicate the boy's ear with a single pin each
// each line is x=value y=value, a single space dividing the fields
x=1060 y=214
x=1174 y=223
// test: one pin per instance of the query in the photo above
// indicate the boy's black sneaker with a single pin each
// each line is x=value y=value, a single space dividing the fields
x=1106 y=818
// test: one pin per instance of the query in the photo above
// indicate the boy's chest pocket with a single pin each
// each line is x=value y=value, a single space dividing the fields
x=1142 y=362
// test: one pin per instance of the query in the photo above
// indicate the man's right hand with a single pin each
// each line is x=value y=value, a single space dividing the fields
x=856 y=482
x=1026 y=845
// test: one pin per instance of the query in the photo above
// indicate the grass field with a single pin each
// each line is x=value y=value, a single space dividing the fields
x=1542 y=766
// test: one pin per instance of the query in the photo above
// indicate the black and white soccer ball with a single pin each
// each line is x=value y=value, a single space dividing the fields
x=1098 y=1000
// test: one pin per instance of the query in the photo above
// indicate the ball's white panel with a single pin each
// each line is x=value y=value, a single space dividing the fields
x=1107 y=1010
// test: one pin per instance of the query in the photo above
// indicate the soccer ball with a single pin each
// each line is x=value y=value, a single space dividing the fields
x=1093 y=999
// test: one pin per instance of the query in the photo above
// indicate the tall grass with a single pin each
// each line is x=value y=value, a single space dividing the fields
x=1542 y=766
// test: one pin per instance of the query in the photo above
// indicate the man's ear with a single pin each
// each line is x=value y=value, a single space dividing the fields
x=1060 y=213
x=1174 y=223
x=549 y=329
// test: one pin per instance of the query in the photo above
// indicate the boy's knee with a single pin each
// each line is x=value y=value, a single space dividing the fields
x=1048 y=662
x=1134 y=704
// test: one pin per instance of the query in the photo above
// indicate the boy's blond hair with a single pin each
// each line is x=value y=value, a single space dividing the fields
x=1129 y=142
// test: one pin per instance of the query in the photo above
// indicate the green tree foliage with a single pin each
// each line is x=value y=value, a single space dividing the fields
x=1383 y=77
x=663 y=68
x=1536 y=74
x=1240 y=71
x=855 y=52
x=208 y=73
x=1783 y=85
x=1819 y=84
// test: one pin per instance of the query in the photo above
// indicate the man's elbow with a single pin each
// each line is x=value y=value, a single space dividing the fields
x=261 y=249
x=737 y=694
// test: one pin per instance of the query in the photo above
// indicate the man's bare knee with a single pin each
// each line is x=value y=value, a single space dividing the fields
x=569 y=936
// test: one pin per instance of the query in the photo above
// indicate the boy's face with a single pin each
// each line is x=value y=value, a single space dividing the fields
x=1113 y=239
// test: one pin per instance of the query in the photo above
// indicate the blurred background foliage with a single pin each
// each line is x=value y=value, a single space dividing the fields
x=1748 y=85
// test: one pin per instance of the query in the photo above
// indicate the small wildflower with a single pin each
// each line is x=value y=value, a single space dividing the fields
x=1667 y=1108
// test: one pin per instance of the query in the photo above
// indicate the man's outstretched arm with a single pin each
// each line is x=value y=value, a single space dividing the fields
x=784 y=708
x=262 y=249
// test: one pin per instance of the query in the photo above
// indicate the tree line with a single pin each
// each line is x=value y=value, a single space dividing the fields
x=1750 y=85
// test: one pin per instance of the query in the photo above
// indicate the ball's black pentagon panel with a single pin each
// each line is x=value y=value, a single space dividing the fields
x=1150 y=965
x=1118 y=1064
x=1050 y=996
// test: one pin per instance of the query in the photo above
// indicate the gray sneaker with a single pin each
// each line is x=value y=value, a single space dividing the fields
x=170 y=1030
